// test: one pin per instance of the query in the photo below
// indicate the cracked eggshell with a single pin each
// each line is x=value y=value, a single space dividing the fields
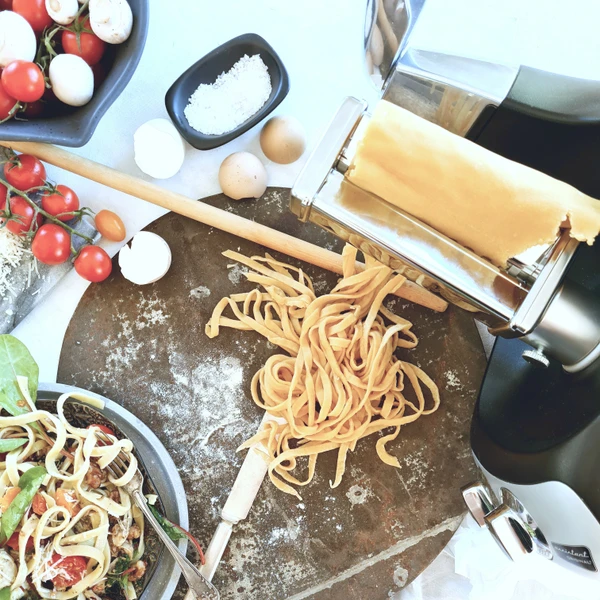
x=147 y=259
x=242 y=175
x=17 y=39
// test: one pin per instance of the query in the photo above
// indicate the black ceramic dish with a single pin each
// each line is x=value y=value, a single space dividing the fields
x=207 y=69
x=74 y=126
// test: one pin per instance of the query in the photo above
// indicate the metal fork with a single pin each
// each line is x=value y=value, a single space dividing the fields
x=198 y=584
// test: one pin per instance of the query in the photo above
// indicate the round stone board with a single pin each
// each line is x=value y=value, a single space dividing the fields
x=145 y=348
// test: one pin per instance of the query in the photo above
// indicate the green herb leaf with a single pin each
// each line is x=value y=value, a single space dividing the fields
x=169 y=528
x=116 y=577
x=11 y=444
x=15 y=360
x=29 y=483
x=5 y=593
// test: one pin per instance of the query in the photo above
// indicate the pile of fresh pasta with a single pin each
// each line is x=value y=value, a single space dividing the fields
x=68 y=529
x=341 y=379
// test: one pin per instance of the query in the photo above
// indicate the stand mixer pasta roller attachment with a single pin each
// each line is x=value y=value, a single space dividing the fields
x=536 y=429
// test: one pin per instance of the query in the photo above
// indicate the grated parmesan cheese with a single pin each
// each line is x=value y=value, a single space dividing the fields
x=233 y=98
x=12 y=250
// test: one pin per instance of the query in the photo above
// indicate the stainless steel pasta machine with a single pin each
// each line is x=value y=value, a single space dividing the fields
x=536 y=429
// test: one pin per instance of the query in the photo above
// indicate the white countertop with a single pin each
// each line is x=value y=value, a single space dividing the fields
x=319 y=41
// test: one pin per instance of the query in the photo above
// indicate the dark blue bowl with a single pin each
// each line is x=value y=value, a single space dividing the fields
x=207 y=69
x=74 y=126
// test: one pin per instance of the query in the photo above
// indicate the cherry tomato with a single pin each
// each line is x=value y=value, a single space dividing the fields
x=39 y=505
x=28 y=172
x=23 y=80
x=33 y=110
x=20 y=208
x=71 y=570
x=93 y=264
x=13 y=542
x=7 y=103
x=102 y=428
x=87 y=45
x=99 y=71
x=51 y=244
x=34 y=12
x=110 y=226
x=62 y=203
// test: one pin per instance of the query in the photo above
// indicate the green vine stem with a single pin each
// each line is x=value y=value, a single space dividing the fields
x=12 y=190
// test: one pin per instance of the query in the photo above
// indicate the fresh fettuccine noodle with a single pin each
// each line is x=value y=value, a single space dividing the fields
x=79 y=511
x=341 y=380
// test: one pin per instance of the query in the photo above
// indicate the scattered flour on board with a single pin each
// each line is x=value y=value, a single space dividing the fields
x=400 y=576
x=358 y=495
x=152 y=313
x=452 y=379
x=236 y=273
x=418 y=469
x=205 y=394
x=200 y=293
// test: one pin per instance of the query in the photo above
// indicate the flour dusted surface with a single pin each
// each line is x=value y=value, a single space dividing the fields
x=233 y=98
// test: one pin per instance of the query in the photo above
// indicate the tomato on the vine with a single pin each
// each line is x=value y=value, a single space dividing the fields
x=69 y=570
x=25 y=172
x=93 y=264
x=23 y=80
x=34 y=12
x=61 y=203
x=7 y=103
x=51 y=244
x=24 y=213
x=81 y=43
x=33 y=110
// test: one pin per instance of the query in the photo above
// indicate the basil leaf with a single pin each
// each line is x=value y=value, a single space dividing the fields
x=15 y=360
x=11 y=444
x=29 y=483
x=168 y=527
x=5 y=593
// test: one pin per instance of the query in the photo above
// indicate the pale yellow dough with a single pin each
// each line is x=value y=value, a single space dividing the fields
x=494 y=206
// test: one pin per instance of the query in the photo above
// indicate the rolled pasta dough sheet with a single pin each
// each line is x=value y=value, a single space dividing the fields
x=494 y=206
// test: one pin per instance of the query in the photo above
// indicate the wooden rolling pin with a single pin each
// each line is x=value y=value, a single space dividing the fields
x=209 y=215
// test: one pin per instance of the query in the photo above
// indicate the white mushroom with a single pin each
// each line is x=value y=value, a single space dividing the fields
x=17 y=40
x=111 y=20
x=62 y=11
x=72 y=79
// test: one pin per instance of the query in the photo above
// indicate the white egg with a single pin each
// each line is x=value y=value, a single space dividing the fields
x=147 y=259
x=72 y=79
x=242 y=175
x=159 y=149
x=283 y=140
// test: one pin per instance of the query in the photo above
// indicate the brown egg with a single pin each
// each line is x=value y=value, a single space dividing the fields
x=110 y=226
x=242 y=175
x=283 y=140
